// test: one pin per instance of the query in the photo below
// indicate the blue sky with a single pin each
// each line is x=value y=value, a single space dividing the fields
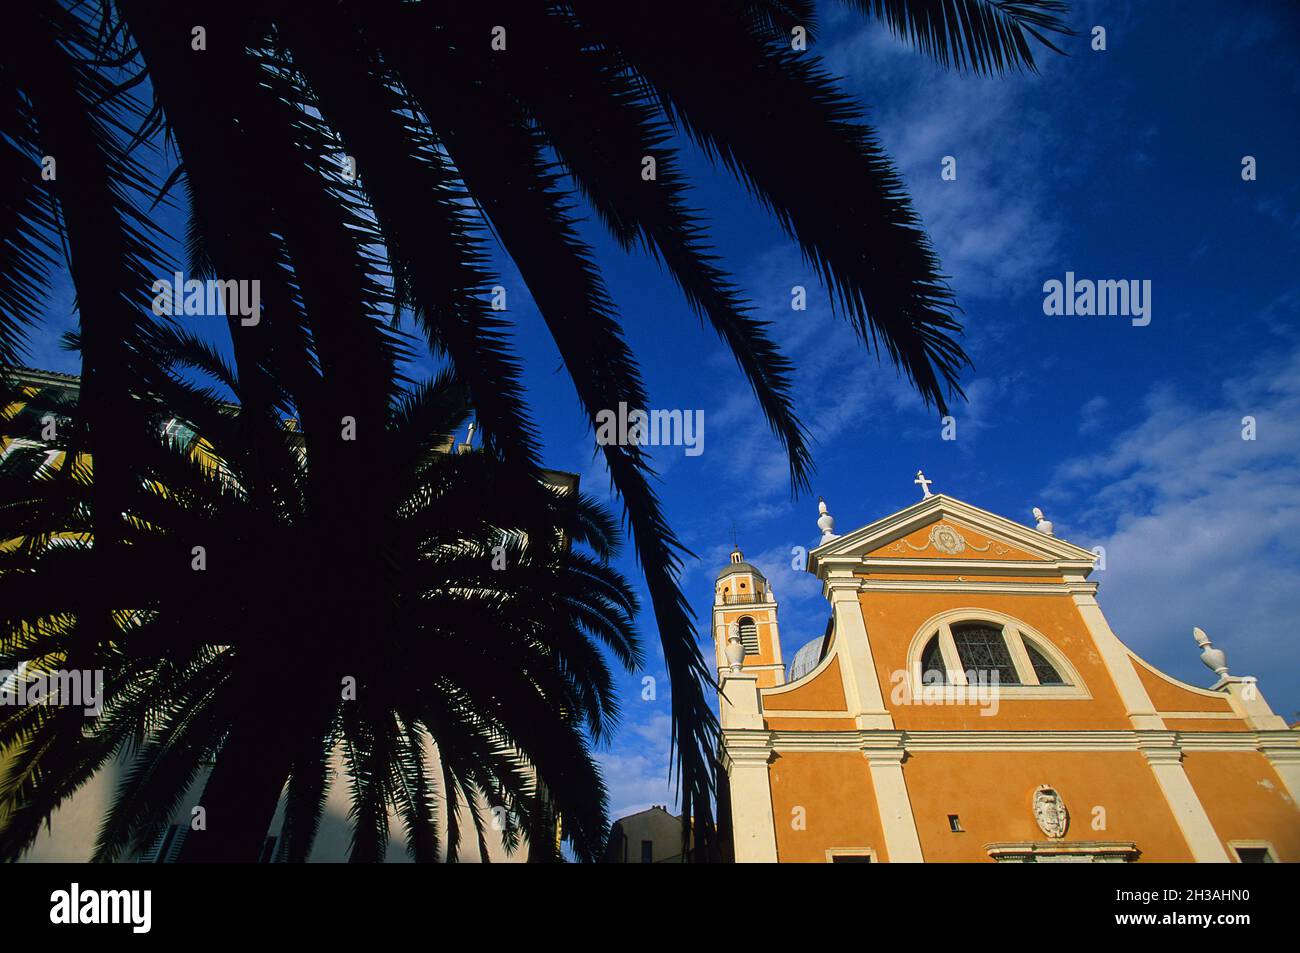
x=1122 y=164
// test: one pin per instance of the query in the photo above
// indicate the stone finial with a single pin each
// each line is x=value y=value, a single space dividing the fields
x=1044 y=524
x=735 y=647
x=825 y=522
x=468 y=445
x=1214 y=659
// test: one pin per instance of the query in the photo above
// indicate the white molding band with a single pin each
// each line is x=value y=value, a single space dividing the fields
x=1282 y=745
x=1113 y=851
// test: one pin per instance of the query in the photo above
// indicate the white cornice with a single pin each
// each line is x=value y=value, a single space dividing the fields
x=965 y=585
x=1152 y=742
x=974 y=567
x=1057 y=552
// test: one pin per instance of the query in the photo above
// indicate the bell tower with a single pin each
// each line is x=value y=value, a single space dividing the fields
x=744 y=605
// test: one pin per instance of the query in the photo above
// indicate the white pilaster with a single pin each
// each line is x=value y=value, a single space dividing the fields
x=862 y=693
x=1166 y=761
x=895 y=807
x=1281 y=751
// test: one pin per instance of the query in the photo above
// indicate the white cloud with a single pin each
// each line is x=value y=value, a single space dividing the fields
x=1201 y=527
x=636 y=772
x=1092 y=414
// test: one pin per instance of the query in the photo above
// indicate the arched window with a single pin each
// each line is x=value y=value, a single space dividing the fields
x=974 y=646
x=1046 y=672
x=983 y=651
x=749 y=635
x=933 y=671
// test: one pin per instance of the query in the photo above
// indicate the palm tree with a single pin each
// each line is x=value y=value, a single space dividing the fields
x=493 y=662
x=460 y=118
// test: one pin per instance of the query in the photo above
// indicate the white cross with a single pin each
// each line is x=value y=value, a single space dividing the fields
x=924 y=484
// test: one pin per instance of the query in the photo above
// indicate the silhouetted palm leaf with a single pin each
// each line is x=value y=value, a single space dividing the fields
x=452 y=139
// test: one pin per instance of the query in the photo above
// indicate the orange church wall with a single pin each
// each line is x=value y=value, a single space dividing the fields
x=825 y=692
x=834 y=789
x=1206 y=724
x=991 y=791
x=1245 y=799
x=1168 y=696
x=893 y=618
x=809 y=724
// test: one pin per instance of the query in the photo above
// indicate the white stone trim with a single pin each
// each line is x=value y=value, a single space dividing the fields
x=753 y=824
x=1166 y=761
x=1022 y=851
x=940 y=506
x=831 y=652
x=988 y=588
x=862 y=694
x=1115 y=656
x=738 y=700
x=941 y=566
x=1185 y=686
x=1281 y=745
x=902 y=843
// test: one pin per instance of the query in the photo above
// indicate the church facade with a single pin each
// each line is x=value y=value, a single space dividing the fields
x=968 y=702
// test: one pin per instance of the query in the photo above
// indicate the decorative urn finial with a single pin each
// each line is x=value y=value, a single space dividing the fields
x=735 y=647
x=1044 y=524
x=468 y=445
x=1214 y=659
x=825 y=522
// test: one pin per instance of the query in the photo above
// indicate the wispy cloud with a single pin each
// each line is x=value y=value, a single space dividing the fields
x=1201 y=527
x=636 y=772
x=993 y=225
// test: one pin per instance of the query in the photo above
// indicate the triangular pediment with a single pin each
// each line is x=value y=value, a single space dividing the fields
x=945 y=538
x=943 y=528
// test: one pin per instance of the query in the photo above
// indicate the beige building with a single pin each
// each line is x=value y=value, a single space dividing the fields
x=652 y=836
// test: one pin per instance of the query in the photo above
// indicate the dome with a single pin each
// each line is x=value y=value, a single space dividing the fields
x=806 y=659
x=740 y=567
x=738 y=564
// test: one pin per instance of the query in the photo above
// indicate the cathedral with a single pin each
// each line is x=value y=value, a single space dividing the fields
x=969 y=702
